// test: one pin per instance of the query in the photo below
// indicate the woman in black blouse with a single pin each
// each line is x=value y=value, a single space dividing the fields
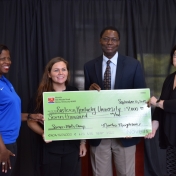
x=59 y=158
x=164 y=116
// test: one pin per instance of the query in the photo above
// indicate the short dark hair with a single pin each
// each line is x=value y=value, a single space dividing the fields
x=110 y=28
x=172 y=53
x=3 y=47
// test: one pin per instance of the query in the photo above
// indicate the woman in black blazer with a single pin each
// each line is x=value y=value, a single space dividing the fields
x=164 y=117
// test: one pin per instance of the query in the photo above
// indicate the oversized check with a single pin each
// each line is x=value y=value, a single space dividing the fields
x=93 y=114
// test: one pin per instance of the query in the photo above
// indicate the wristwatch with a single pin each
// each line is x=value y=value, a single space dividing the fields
x=158 y=101
x=28 y=117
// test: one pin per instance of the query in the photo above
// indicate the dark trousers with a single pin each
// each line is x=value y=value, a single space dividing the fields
x=63 y=165
x=13 y=149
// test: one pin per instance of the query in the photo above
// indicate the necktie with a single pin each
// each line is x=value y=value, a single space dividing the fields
x=107 y=76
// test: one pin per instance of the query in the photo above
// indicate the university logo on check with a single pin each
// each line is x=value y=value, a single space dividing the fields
x=51 y=100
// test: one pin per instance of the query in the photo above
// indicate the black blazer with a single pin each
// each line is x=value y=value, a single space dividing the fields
x=129 y=75
x=166 y=116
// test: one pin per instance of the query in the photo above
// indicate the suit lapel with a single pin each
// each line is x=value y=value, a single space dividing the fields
x=119 y=71
x=98 y=70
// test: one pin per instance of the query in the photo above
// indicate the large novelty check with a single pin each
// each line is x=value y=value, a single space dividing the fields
x=93 y=114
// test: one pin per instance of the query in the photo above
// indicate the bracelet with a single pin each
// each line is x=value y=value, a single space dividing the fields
x=28 y=116
x=157 y=103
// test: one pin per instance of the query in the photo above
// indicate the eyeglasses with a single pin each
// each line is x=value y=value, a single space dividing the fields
x=174 y=55
x=107 y=39
x=5 y=59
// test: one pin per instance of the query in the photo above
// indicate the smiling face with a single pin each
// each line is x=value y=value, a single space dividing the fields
x=59 y=73
x=5 y=62
x=110 y=42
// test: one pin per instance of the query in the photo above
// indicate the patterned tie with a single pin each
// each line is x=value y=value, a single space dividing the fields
x=107 y=76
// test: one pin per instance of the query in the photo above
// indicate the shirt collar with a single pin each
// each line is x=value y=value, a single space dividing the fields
x=2 y=77
x=113 y=59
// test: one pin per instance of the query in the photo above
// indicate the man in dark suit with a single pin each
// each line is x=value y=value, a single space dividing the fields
x=126 y=73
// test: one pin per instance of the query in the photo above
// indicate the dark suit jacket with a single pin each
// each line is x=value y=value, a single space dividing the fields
x=129 y=75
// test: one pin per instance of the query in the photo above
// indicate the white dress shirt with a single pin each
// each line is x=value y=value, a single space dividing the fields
x=113 y=66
